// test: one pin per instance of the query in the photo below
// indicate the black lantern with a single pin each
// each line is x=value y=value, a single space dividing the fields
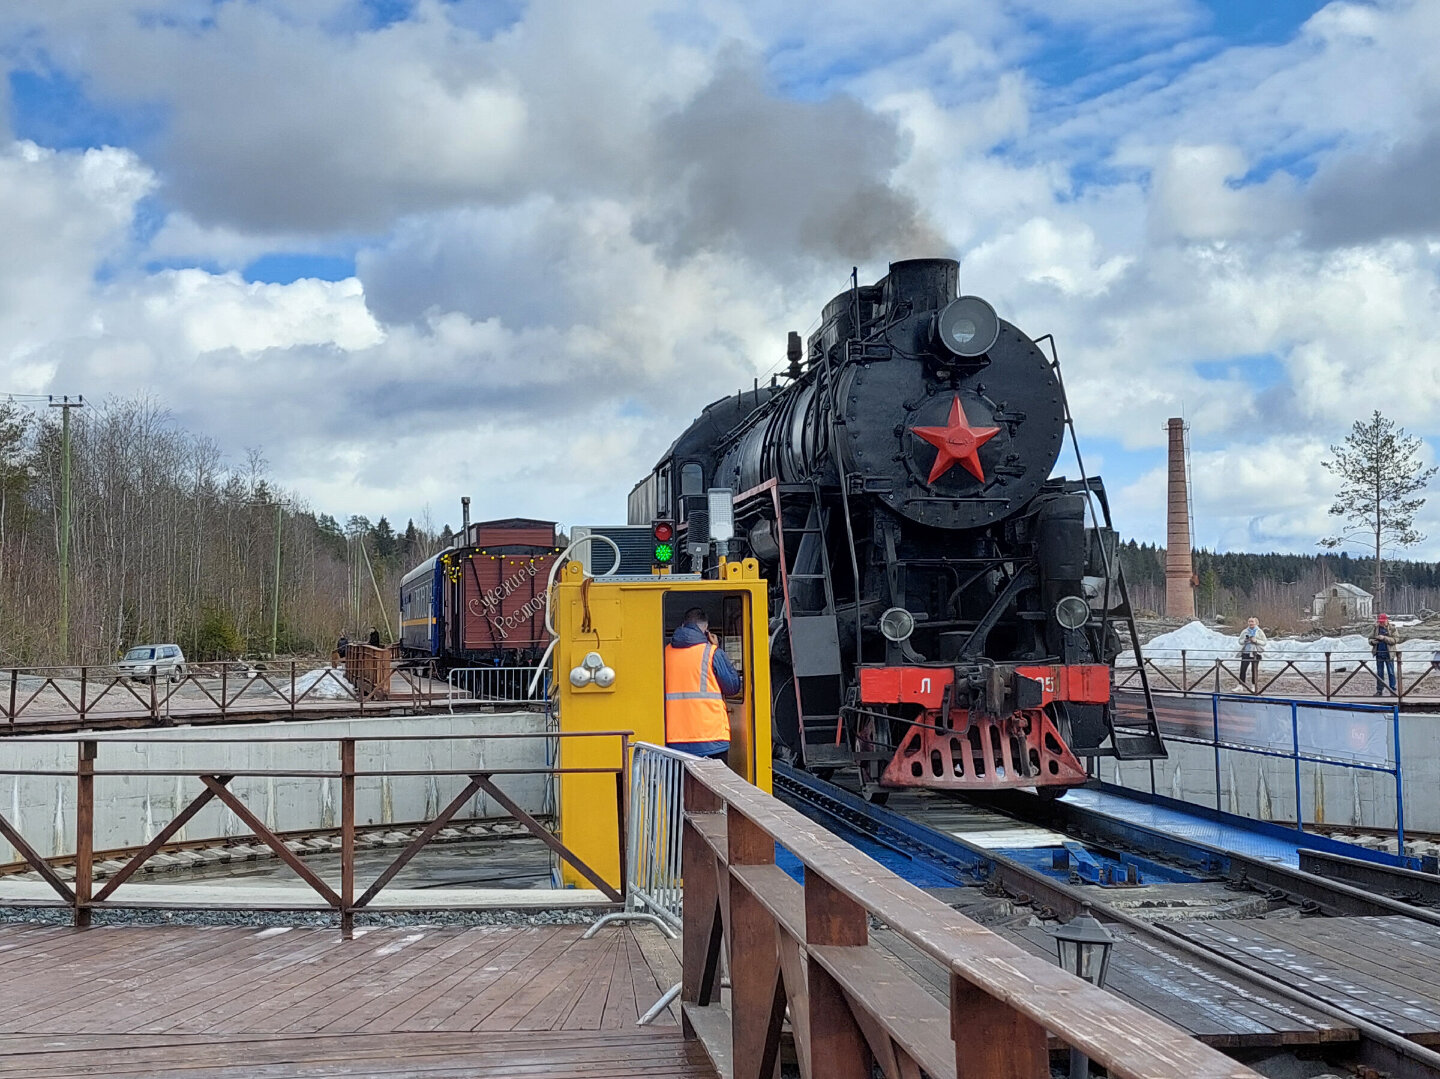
x=1084 y=947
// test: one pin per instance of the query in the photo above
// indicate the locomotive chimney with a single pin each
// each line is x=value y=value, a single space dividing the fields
x=465 y=520
x=793 y=353
x=1179 y=573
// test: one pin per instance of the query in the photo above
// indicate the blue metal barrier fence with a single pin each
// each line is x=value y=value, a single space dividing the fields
x=1355 y=736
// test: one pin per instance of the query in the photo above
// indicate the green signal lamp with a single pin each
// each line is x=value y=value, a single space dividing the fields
x=662 y=532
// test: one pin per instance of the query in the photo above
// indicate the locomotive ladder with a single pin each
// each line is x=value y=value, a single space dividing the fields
x=814 y=639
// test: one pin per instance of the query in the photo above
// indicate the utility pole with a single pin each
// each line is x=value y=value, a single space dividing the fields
x=65 y=404
x=275 y=613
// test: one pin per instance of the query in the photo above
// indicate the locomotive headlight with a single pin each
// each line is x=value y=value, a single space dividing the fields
x=897 y=624
x=1072 y=612
x=605 y=677
x=968 y=326
x=592 y=661
x=579 y=676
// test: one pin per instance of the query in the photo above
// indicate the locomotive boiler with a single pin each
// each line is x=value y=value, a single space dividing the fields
x=947 y=611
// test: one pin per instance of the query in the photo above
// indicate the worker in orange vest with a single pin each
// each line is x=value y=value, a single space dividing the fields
x=698 y=677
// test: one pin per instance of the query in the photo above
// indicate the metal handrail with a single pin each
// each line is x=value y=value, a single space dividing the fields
x=1342 y=674
x=216 y=785
x=1205 y=731
x=654 y=886
x=654 y=889
x=497 y=685
x=99 y=692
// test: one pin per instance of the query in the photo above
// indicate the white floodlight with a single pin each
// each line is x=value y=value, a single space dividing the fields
x=721 y=504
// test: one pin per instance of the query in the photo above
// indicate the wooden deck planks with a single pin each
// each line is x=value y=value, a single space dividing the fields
x=659 y=1054
x=225 y=1002
x=1360 y=964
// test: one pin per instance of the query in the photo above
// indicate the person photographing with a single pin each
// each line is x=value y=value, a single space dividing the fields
x=1252 y=647
x=1383 y=643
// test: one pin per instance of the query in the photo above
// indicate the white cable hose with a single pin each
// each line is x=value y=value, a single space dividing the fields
x=550 y=587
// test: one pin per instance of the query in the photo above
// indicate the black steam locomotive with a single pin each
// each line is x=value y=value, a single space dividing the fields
x=944 y=617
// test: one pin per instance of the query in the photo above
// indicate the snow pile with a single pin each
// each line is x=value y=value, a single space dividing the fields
x=1203 y=646
x=324 y=684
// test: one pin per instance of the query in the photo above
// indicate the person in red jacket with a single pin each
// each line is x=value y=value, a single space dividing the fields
x=698 y=678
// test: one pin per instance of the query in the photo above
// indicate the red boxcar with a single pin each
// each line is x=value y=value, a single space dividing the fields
x=494 y=610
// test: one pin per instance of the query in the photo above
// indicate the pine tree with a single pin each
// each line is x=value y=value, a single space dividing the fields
x=1380 y=474
x=384 y=537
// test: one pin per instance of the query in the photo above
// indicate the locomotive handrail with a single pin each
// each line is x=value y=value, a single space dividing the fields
x=806 y=946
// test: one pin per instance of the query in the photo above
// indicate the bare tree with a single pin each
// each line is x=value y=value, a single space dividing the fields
x=171 y=542
x=1381 y=476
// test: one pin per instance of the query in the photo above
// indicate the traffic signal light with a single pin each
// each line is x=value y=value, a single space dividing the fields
x=662 y=532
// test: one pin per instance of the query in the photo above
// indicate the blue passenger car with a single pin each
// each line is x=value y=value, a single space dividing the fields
x=421 y=604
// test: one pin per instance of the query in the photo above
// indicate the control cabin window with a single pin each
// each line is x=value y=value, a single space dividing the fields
x=692 y=479
x=726 y=615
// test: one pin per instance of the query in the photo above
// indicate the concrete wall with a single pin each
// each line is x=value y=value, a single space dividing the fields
x=1264 y=787
x=131 y=810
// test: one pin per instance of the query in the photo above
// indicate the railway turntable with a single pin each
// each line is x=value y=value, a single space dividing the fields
x=1246 y=954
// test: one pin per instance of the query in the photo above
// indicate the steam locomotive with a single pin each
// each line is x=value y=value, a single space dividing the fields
x=944 y=614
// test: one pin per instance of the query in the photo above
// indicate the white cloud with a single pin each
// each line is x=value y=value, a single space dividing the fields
x=577 y=229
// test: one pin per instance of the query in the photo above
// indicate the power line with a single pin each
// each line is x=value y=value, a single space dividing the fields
x=43 y=398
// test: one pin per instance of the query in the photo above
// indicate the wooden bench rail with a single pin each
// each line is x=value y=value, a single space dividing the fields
x=805 y=949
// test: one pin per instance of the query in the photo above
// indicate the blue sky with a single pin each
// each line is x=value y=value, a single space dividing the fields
x=603 y=216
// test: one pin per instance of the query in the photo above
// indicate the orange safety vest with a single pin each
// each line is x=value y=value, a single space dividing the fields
x=694 y=706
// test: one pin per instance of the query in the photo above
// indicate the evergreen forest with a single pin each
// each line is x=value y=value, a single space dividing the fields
x=1277 y=588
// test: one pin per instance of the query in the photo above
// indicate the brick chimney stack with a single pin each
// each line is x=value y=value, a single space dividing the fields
x=1179 y=570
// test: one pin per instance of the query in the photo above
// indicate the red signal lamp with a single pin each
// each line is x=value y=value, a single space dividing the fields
x=662 y=534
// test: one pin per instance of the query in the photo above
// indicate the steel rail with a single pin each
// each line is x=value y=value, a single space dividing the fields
x=1328 y=895
x=1378 y=1046
x=1406 y=885
x=506 y=829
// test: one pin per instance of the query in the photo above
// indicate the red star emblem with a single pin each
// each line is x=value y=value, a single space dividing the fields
x=956 y=442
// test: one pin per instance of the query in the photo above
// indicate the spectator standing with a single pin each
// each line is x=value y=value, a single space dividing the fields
x=374 y=639
x=1384 y=643
x=1252 y=647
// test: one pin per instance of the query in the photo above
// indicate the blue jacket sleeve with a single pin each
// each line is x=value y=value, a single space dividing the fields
x=725 y=673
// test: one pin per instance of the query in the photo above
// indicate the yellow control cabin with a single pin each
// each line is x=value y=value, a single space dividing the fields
x=627 y=621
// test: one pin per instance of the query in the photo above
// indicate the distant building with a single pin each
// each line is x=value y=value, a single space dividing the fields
x=1344 y=601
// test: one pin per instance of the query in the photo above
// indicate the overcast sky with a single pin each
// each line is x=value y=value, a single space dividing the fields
x=414 y=250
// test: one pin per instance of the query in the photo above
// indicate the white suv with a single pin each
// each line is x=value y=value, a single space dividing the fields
x=148 y=661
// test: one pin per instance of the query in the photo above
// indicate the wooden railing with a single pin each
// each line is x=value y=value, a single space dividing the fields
x=806 y=947
x=215 y=783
